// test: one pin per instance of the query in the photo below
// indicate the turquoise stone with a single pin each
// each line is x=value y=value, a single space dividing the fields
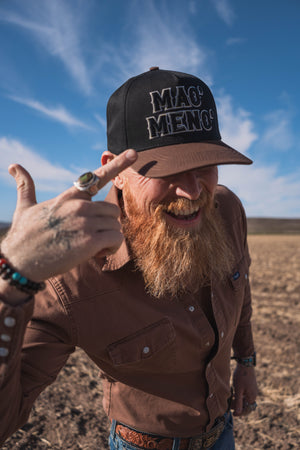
x=23 y=281
x=16 y=276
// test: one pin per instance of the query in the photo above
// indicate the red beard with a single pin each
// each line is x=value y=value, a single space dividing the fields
x=174 y=260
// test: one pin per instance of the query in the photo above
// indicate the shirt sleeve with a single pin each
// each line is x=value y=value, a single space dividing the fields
x=243 y=345
x=35 y=343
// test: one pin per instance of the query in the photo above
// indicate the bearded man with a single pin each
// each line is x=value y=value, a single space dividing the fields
x=159 y=311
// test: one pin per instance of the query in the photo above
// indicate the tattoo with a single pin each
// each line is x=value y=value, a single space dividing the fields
x=60 y=236
x=54 y=222
x=63 y=238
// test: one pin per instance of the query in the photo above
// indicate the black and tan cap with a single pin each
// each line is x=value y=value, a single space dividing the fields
x=170 y=119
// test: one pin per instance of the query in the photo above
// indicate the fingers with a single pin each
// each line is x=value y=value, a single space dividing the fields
x=110 y=241
x=243 y=403
x=104 y=209
x=113 y=168
x=249 y=398
x=238 y=404
x=25 y=186
x=95 y=225
x=246 y=408
x=75 y=207
x=107 y=172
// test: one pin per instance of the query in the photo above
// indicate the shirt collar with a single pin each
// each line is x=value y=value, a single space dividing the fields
x=122 y=255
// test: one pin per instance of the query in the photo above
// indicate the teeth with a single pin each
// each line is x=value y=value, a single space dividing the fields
x=185 y=212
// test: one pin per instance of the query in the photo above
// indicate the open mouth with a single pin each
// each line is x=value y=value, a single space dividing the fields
x=183 y=216
x=186 y=214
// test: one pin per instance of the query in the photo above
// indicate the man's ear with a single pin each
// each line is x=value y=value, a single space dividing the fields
x=106 y=157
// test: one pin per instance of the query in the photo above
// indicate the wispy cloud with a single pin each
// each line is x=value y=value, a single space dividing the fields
x=224 y=11
x=236 y=126
x=263 y=190
x=235 y=41
x=100 y=146
x=170 y=44
x=192 y=6
x=57 y=26
x=59 y=113
x=48 y=176
x=278 y=134
x=101 y=120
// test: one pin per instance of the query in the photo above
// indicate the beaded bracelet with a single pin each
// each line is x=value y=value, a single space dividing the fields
x=17 y=280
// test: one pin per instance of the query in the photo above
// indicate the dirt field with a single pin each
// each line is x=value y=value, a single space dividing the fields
x=69 y=414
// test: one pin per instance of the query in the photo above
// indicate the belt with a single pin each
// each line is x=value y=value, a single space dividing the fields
x=154 y=441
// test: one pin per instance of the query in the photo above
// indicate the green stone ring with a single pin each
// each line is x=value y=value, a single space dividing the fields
x=88 y=182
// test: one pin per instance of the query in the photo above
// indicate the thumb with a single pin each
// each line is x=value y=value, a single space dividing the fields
x=25 y=186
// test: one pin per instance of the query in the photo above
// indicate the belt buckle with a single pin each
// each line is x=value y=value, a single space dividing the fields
x=196 y=443
x=200 y=443
x=208 y=439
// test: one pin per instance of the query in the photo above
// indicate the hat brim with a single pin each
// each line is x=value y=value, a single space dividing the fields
x=172 y=159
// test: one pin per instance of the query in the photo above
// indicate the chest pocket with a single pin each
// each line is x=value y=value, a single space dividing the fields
x=150 y=349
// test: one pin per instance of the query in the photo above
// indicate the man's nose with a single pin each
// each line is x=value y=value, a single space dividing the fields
x=188 y=185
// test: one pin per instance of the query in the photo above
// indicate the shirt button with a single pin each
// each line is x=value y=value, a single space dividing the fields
x=5 y=338
x=3 y=351
x=9 y=322
x=191 y=308
x=208 y=365
x=246 y=276
x=222 y=334
x=146 y=350
x=211 y=395
x=207 y=344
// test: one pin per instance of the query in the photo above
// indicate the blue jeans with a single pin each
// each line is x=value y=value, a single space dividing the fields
x=225 y=441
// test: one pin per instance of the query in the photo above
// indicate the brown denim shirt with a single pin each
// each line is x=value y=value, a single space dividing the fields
x=165 y=368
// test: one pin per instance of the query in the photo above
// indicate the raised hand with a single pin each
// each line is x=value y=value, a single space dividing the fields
x=49 y=238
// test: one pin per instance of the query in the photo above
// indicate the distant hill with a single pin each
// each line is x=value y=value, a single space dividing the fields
x=256 y=225
x=4 y=225
x=273 y=226
x=3 y=228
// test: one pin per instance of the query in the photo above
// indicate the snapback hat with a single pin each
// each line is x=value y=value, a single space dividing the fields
x=170 y=119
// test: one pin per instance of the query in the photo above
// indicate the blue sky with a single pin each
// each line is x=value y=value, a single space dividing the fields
x=61 y=59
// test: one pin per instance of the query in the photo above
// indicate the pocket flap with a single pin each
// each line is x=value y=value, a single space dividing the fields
x=143 y=344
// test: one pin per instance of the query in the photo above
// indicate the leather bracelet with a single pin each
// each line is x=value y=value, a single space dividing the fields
x=17 y=280
x=250 y=361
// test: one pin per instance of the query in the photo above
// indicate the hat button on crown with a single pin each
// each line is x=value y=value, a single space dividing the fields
x=154 y=68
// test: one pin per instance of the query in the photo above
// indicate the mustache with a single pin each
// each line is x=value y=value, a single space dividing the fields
x=184 y=204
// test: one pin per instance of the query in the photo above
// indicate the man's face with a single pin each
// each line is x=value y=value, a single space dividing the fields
x=173 y=230
x=151 y=192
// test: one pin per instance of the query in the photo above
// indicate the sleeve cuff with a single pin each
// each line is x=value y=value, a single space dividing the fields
x=243 y=345
x=13 y=322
